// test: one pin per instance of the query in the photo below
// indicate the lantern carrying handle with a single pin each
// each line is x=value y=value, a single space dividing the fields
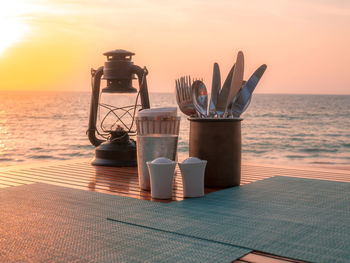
x=141 y=75
x=96 y=76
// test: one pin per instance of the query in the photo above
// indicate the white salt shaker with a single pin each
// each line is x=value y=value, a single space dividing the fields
x=161 y=172
x=192 y=171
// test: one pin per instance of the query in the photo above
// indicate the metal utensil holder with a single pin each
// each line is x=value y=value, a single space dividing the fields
x=217 y=140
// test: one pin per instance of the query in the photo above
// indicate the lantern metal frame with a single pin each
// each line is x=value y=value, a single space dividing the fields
x=118 y=71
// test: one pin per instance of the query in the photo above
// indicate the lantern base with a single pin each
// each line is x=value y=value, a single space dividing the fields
x=116 y=154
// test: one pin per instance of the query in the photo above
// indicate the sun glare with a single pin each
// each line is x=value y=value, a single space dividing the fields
x=11 y=31
x=12 y=27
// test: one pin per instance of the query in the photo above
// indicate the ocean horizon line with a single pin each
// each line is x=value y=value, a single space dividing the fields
x=167 y=92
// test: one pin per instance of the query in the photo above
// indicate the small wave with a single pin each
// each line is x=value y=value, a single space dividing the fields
x=324 y=162
x=254 y=151
x=83 y=146
x=295 y=156
x=332 y=135
x=278 y=116
x=45 y=157
x=36 y=149
x=39 y=117
x=346 y=145
x=6 y=159
x=318 y=150
x=41 y=150
x=304 y=135
x=296 y=139
x=75 y=154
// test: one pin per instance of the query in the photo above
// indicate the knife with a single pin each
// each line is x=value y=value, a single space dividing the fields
x=215 y=90
x=237 y=79
x=221 y=103
x=245 y=94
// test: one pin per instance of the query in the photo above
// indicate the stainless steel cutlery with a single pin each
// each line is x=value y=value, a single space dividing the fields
x=244 y=96
x=183 y=95
x=200 y=98
x=229 y=101
x=236 y=83
x=215 y=90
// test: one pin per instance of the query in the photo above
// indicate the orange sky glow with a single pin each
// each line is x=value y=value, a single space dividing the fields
x=51 y=45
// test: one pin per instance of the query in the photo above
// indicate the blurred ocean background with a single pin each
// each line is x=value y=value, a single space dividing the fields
x=297 y=130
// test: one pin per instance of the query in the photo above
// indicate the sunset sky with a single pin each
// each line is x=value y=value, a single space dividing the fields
x=51 y=45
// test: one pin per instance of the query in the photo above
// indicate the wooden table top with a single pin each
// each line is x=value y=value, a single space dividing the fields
x=80 y=174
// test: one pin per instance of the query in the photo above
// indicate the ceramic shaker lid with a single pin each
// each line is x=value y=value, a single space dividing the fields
x=161 y=160
x=192 y=160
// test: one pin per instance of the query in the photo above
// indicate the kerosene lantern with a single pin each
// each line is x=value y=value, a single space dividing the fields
x=114 y=146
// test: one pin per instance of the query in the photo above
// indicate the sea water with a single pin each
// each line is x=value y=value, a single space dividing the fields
x=277 y=129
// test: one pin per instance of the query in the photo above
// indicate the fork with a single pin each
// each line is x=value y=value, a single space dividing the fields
x=184 y=96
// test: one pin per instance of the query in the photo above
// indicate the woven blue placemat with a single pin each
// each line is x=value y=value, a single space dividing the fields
x=46 y=223
x=297 y=218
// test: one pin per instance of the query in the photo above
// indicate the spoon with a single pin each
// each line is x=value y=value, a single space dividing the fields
x=215 y=90
x=200 y=97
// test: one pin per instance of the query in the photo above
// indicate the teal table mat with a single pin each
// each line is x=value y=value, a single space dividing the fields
x=297 y=218
x=46 y=223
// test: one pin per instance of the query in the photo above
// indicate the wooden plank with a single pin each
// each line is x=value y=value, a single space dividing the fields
x=124 y=180
x=257 y=256
x=6 y=184
x=20 y=181
x=262 y=259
